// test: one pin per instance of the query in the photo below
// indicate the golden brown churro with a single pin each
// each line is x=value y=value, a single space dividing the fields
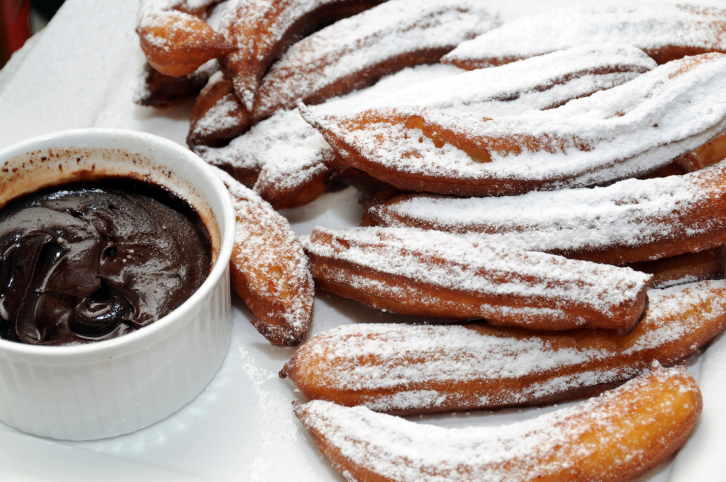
x=622 y=132
x=665 y=32
x=408 y=369
x=430 y=273
x=174 y=37
x=614 y=437
x=269 y=270
x=627 y=222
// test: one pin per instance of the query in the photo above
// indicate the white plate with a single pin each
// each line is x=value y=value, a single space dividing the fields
x=81 y=73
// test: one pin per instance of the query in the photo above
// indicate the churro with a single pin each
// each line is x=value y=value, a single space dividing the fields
x=260 y=31
x=665 y=32
x=430 y=273
x=614 y=437
x=627 y=222
x=269 y=270
x=175 y=38
x=414 y=369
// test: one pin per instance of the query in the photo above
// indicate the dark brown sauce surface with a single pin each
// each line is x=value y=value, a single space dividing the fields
x=92 y=261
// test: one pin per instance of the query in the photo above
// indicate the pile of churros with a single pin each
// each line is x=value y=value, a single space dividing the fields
x=553 y=198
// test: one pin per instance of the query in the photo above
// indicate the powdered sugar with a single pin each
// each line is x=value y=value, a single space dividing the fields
x=645 y=26
x=173 y=16
x=491 y=271
x=405 y=368
x=291 y=152
x=256 y=28
x=628 y=213
x=263 y=244
x=348 y=52
x=397 y=449
x=618 y=133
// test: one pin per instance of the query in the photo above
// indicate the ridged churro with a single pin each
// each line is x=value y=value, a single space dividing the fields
x=269 y=269
x=627 y=222
x=614 y=437
x=430 y=273
x=665 y=32
x=260 y=31
x=626 y=131
x=414 y=369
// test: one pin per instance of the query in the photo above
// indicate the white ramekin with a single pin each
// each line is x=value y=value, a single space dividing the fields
x=117 y=386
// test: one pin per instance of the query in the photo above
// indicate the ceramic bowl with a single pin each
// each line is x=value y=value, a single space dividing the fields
x=117 y=386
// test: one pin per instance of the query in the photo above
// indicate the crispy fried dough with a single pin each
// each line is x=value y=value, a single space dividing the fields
x=217 y=117
x=410 y=370
x=162 y=91
x=293 y=157
x=269 y=270
x=665 y=32
x=351 y=54
x=614 y=437
x=627 y=222
x=430 y=273
x=622 y=132
x=262 y=30
x=685 y=268
x=355 y=52
x=174 y=37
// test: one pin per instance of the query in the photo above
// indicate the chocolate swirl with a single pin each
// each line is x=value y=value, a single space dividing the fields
x=88 y=262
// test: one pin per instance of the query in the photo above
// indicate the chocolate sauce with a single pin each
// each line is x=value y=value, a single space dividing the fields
x=92 y=261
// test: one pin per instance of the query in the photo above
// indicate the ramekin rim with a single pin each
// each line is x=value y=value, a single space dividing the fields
x=225 y=250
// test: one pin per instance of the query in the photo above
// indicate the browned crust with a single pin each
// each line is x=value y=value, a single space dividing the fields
x=463 y=395
x=358 y=80
x=265 y=307
x=661 y=55
x=190 y=42
x=631 y=428
x=407 y=296
x=266 y=272
x=688 y=267
x=214 y=94
x=162 y=91
x=247 y=67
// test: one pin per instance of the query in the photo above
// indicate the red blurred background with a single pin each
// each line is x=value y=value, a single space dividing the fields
x=19 y=19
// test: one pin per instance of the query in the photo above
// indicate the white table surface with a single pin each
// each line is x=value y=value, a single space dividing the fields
x=80 y=72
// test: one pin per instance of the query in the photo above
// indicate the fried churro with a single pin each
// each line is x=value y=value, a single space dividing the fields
x=430 y=273
x=414 y=369
x=614 y=437
x=622 y=132
x=664 y=32
x=269 y=270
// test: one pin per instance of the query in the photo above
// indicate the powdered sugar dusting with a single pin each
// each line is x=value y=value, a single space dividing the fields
x=397 y=449
x=642 y=25
x=264 y=238
x=405 y=368
x=290 y=151
x=627 y=213
x=618 y=133
x=352 y=46
x=472 y=266
x=256 y=27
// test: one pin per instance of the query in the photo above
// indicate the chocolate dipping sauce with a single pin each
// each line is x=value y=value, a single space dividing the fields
x=92 y=261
